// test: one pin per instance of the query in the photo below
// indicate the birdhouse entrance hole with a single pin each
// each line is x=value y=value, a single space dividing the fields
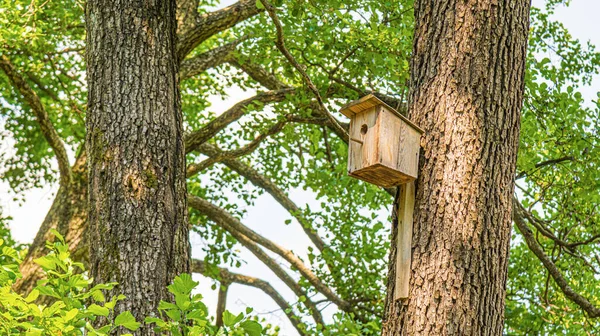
x=364 y=129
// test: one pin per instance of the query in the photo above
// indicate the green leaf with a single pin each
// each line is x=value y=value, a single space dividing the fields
x=58 y=235
x=228 y=318
x=126 y=319
x=259 y=4
x=174 y=315
x=98 y=310
x=71 y=314
x=252 y=328
x=46 y=262
x=183 y=284
x=33 y=295
x=164 y=305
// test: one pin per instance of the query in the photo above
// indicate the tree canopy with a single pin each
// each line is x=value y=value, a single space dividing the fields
x=297 y=63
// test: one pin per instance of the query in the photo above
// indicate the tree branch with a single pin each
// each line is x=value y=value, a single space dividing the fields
x=202 y=135
x=223 y=222
x=194 y=169
x=538 y=224
x=280 y=43
x=544 y=164
x=48 y=130
x=210 y=59
x=259 y=74
x=221 y=302
x=199 y=266
x=215 y=22
x=519 y=219
x=264 y=183
x=186 y=15
x=234 y=226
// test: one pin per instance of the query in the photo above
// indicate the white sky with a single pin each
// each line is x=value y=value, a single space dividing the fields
x=267 y=217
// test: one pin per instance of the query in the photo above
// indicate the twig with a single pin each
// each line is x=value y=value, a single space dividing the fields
x=280 y=43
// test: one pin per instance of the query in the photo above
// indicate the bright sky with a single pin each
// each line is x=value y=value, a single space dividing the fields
x=267 y=217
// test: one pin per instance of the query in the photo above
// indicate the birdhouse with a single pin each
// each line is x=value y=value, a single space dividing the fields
x=384 y=145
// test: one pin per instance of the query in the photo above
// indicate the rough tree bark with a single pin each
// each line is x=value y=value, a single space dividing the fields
x=137 y=191
x=466 y=89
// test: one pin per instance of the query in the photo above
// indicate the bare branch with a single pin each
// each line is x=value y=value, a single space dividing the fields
x=198 y=266
x=519 y=219
x=221 y=302
x=262 y=182
x=541 y=228
x=48 y=130
x=544 y=164
x=224 y=222
x=232 y=224
x=200 y=136
x=215 y=22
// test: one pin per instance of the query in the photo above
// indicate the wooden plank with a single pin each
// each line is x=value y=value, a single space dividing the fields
x=363 y=154
x=406 y=207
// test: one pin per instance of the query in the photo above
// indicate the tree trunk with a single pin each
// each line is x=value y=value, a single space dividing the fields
x=466 y=90
x=137 y=191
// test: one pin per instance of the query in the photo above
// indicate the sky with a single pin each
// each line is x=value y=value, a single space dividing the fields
x=267 y=216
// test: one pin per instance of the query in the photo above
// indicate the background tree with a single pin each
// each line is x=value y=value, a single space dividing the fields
x=278 y=140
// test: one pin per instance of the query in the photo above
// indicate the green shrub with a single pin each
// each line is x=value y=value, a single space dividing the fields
x=76 y=304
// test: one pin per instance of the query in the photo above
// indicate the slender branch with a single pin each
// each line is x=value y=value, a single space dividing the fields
x=280 y=43
x=194 y=169
x=259 y=74
x=519 y=219
x=541 y=228
x=209 y=59
x=199 y=266
x=234 y=226
x=222 y=302
x=200 y=136
x=544 y=164
x=223 y=222
x=48 y=130
x=262 y=182
x=213 y=23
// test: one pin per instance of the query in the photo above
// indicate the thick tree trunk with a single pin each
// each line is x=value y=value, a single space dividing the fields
x=137 y=191
x=467 y=80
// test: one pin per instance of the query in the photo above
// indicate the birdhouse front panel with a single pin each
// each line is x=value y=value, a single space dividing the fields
x=384 y=146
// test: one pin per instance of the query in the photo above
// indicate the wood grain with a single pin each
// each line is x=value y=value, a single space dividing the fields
x=406 y=205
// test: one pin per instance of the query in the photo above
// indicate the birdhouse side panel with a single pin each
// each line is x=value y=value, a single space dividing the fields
x=390 y=127
x=363 y=144
x=408 y=151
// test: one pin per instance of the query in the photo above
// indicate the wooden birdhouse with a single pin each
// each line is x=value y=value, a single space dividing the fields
x=384 y=145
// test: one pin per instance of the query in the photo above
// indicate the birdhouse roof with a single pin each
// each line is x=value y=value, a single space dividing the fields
x=369 y=101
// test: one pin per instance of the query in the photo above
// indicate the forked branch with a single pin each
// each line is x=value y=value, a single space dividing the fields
x=213 y=23
x=519 y=217
x=223 y=222
x=198 y=137
x=225 y=276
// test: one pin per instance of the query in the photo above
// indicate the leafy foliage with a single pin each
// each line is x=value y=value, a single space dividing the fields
x=75 y=304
